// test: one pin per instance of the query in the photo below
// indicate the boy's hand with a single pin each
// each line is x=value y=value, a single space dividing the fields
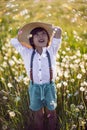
x=57 y=32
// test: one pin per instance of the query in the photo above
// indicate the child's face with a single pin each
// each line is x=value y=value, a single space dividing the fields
x=40 y=39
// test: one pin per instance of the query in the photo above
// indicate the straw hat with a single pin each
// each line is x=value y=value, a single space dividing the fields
x=24 y=32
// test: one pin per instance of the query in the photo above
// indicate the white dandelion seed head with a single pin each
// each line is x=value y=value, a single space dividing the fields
x=82 y=89
x=10 y=85
x=12 y=114
x=79 y=76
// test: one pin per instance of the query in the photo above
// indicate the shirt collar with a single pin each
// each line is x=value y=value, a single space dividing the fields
x=43 y=51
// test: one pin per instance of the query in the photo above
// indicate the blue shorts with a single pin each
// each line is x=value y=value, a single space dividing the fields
x=43 y=95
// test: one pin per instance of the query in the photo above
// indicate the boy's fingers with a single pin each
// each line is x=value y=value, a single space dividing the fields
x=55 y=28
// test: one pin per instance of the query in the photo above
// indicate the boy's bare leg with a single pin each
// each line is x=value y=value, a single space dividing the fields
x=38 y=119
x=52 y=119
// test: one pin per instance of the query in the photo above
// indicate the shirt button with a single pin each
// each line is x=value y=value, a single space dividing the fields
x=39 y=69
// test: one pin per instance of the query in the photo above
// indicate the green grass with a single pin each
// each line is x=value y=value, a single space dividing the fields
x=71 y=80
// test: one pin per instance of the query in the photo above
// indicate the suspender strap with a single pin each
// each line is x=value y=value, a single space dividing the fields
x=31 y=66
x=50 y=66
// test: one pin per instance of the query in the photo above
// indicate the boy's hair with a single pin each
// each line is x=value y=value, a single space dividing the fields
x=35 y=31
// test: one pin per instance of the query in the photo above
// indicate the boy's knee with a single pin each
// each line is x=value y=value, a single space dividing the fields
x=51 y=114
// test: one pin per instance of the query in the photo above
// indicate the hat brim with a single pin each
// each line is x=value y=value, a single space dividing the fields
x=24 y=32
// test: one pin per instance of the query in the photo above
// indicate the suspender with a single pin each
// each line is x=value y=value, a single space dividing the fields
x=50 y=66
x=31 y=66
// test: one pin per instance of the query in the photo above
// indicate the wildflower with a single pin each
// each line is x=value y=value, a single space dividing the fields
x=15 y=51
x=67 y=57
x=59 y=85
x=4 y=97
x=75 y=66
x=57 y=56
x=72 y=106
x=3 y=48
x=64 y=59
x=74 y=32
x=82 y=89
x=78 y=53
x=26 y=80
x=67 y=91
x=2 y=77
x=49 y=14
x=85 y=83
x=20 y=77
x=73 y=20
x=1 y=69
x=71 y=66
x=4 y=127
x=79 y=76
x=25 y=11
x=66 y=74
x=85 y=56
x=65 y=83
x=14 y=58
x=72 y=57
x=9 y=5
x=60 y=73
x=80 y=107
x=10 y=85
x=11 y=62
x=49 y=7
x=4 y=64
x=17 y=99
x=77 y=61
x=62 y=64
x=67 y=65
x=11 y=113
x=63 y=52
x=67 y=49
x=83 y=70
x=73 y=127
x=72 y=80
x=82 y=123
x=81 y=65
x=77 y=110
x=5 y=58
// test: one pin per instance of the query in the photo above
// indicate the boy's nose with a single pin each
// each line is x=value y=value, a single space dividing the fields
x=40 y=36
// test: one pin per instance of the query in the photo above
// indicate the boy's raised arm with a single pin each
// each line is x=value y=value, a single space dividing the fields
x=18 y=46
x=56 y=39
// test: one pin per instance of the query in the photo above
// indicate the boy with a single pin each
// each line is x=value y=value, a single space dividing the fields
x=38 y=44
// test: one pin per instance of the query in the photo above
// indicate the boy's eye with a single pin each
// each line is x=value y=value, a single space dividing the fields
x=44 y=32
x=36 y=34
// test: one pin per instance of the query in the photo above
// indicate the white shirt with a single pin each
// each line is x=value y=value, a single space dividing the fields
x=40 y=62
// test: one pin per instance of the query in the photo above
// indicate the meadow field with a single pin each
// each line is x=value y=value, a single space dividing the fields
x=71 y=80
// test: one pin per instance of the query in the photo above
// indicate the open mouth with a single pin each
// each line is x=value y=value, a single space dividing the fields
x=41 y=40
